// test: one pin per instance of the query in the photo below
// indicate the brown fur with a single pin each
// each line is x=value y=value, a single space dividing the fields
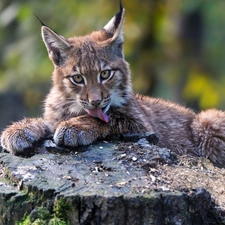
x=102 y=88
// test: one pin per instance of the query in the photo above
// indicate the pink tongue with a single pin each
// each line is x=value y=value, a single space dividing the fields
x=99 y=114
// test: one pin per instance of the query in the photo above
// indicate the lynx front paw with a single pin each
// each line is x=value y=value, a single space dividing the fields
x=72 y=136
x=23 y=134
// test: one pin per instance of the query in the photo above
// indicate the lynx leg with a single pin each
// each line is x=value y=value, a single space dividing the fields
x=23 y=134
x=81 y=130
x=209 y=134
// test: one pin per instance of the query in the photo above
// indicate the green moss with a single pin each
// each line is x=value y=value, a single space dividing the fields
x=25 y=221
x=57 y=221
x=42 y=216
x=53 y=221
x=7 y=173
x=60 y=208
x=39 y=222
x=42 y=213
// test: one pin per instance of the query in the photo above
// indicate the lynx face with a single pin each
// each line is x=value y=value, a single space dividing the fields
x=91 y=70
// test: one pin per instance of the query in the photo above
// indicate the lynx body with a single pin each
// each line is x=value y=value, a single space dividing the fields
x=92 y=97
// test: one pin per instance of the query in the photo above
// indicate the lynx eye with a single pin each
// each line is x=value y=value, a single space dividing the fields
x=105 y=74
x=77 y=79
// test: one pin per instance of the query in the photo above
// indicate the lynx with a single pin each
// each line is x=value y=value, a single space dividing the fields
x=92 y=98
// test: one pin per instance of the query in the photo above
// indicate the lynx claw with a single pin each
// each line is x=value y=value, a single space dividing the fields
x=49 y=144
x=65 y=137
x=71 y=136
x=22 y=135
x=16 y=143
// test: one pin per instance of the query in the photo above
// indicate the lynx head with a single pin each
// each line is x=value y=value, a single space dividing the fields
x=91 y=69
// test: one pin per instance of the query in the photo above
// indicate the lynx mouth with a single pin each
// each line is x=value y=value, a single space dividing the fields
x=99 y=113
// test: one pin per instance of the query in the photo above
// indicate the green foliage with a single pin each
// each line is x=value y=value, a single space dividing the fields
x=61 y=208
x=53 y=221
x=57 y=221
x=43 y=213
x=44 y=217
x=203 y=88
x=163 y=50
x=39 y=222
x=25 y=221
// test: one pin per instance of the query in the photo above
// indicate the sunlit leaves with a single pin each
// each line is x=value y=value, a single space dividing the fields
x=162 y=62
x=200 y=87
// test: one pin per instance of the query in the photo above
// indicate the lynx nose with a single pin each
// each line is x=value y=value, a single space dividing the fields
x=95 y=97
x=95 y=103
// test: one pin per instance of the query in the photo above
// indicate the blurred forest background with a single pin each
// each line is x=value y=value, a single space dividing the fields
x=175 y=49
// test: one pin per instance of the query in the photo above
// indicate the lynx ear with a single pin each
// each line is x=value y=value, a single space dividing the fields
x=55 y=44
x=115 y=29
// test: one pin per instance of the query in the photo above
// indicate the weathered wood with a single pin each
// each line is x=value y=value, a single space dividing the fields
x=106 y=183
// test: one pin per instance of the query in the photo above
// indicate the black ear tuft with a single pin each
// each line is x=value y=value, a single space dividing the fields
x=119 y=15
x=114 y=29
x=121 y=5
x=40 y=21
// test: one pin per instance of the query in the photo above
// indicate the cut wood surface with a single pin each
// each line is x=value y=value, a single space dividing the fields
x=111 y=183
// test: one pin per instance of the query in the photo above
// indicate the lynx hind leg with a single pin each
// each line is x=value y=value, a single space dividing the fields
x=209 y=134
x=22 y=135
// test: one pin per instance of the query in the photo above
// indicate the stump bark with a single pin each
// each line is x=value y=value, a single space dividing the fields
x=105 y=183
